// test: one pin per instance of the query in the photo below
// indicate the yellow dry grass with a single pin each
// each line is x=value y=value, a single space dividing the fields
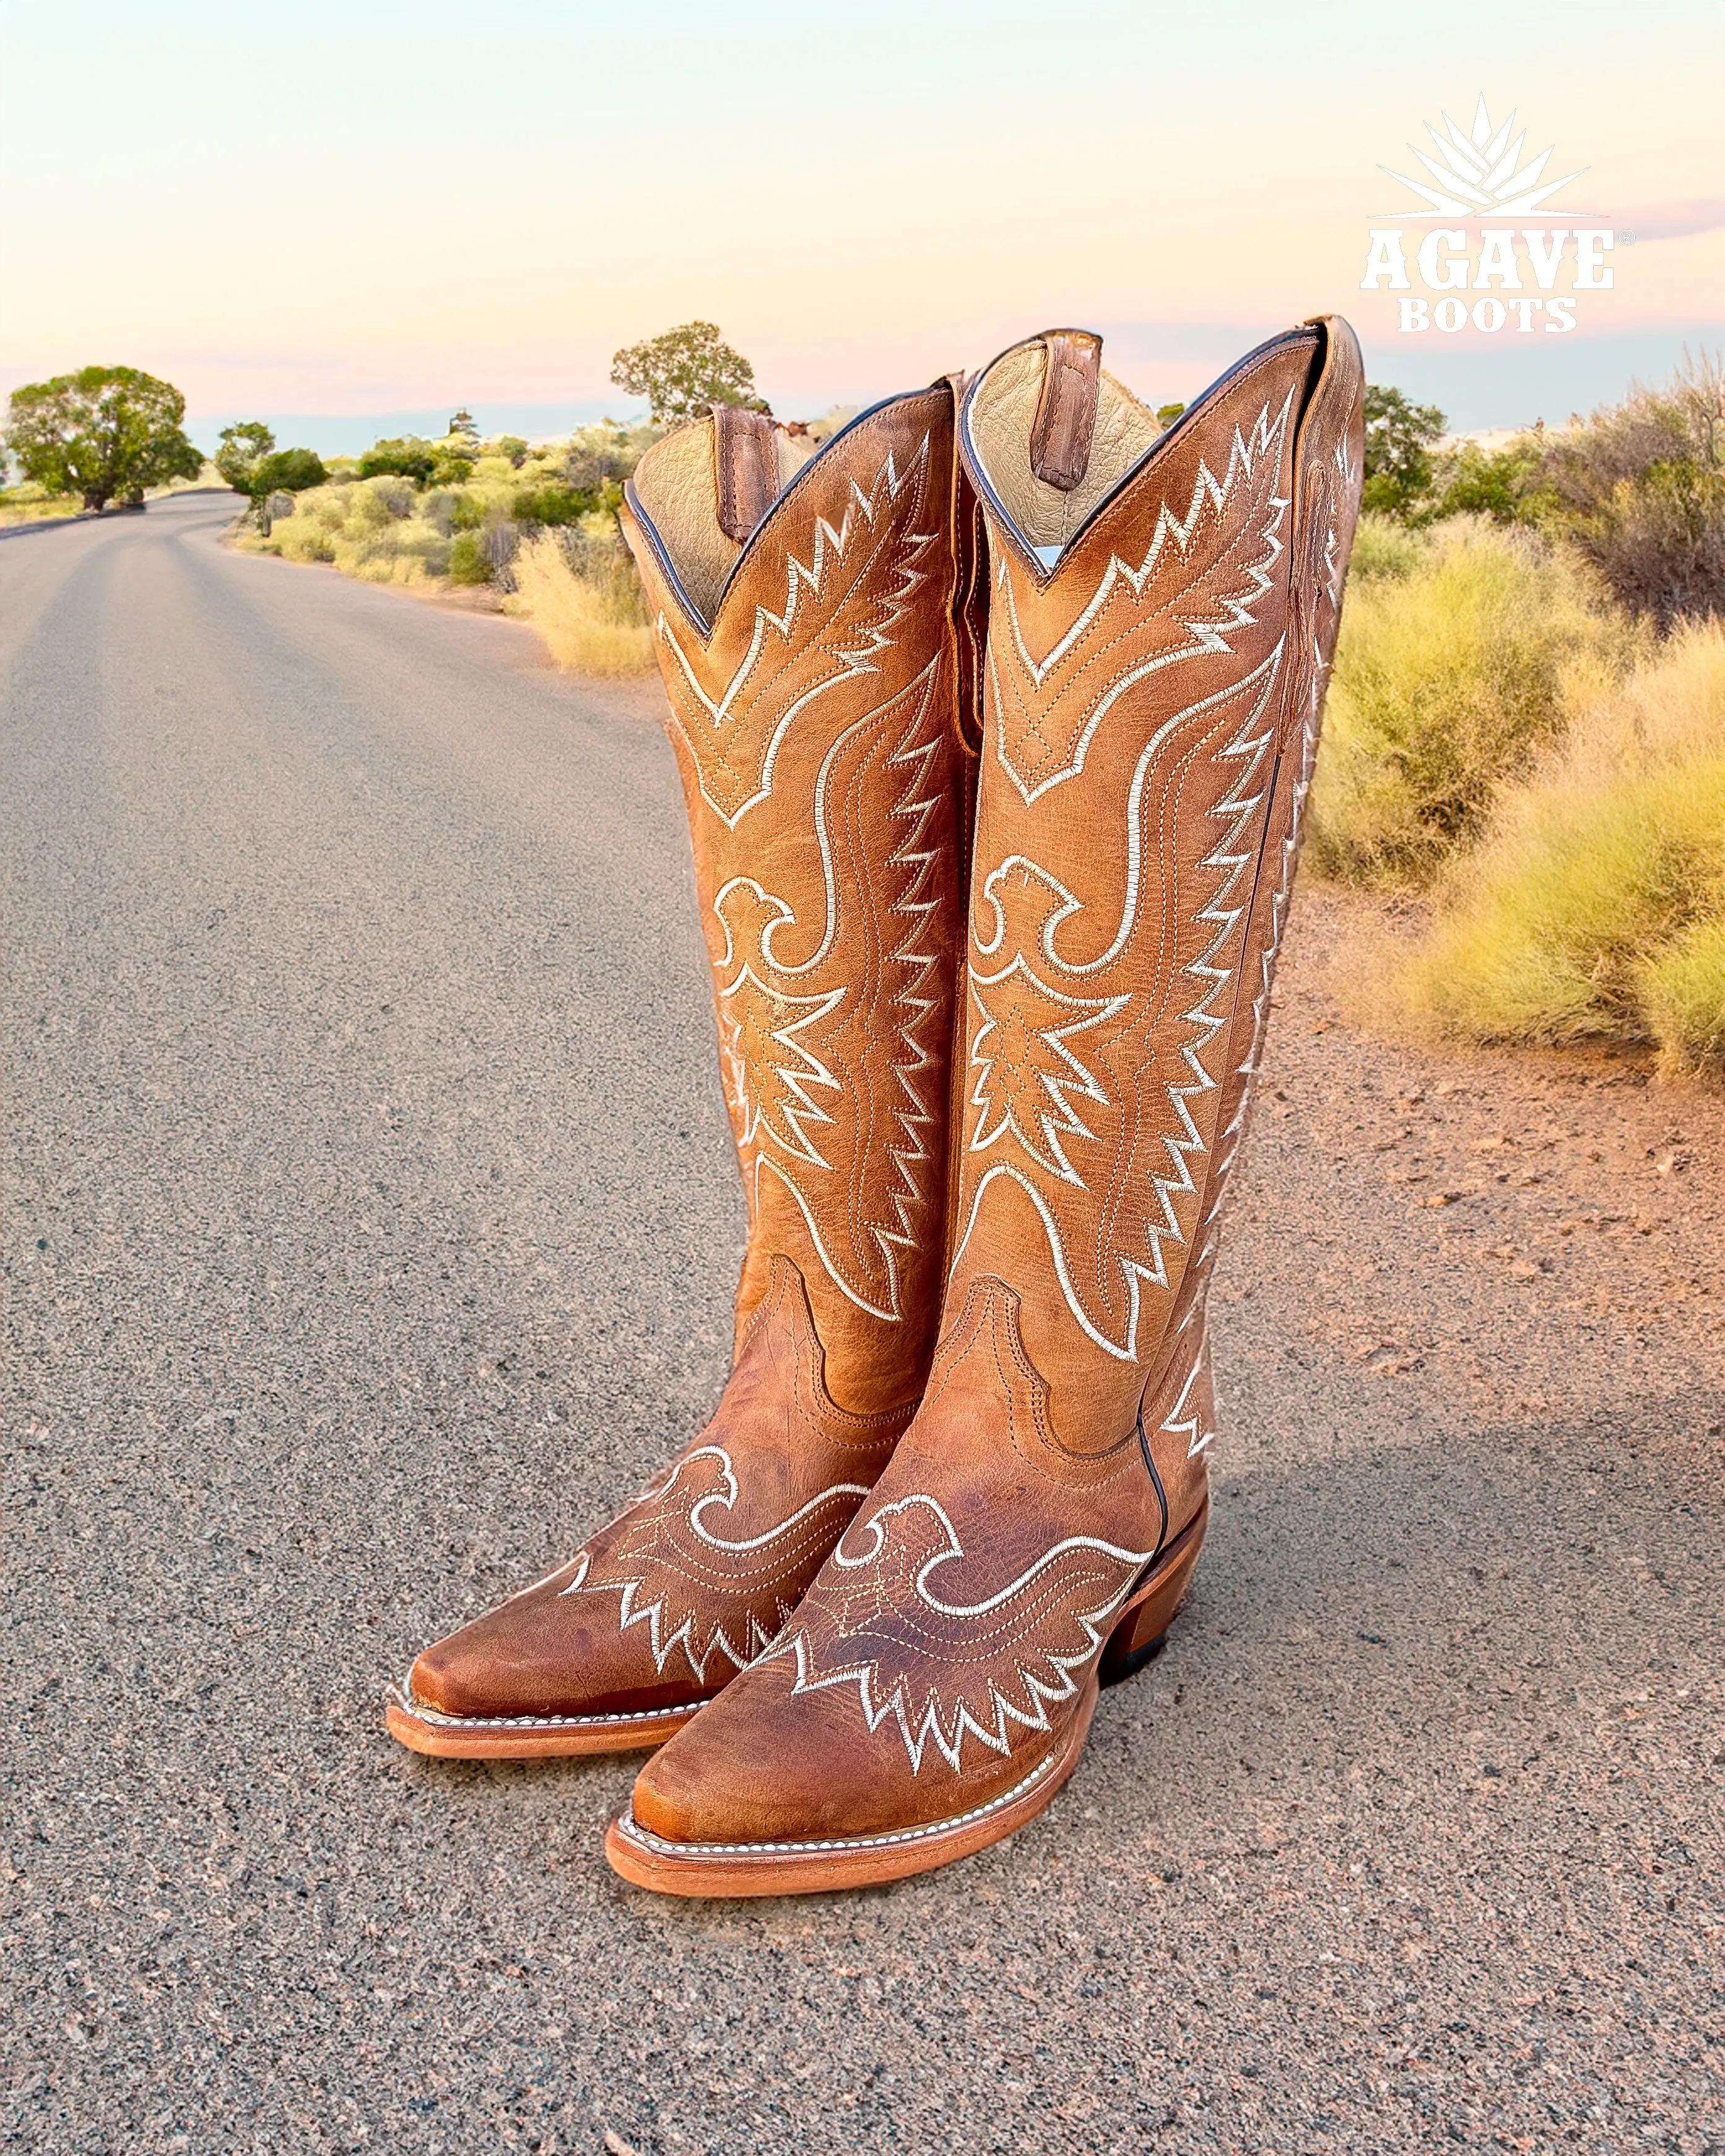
x=588 y=626
x=1463 y=651
x=1593 y=906
x=29 y=503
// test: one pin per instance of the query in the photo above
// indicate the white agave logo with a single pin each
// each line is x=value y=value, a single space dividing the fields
x=1482 y=175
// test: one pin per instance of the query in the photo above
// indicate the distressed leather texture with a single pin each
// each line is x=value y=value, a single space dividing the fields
x=813 y=690
x=1151 y=716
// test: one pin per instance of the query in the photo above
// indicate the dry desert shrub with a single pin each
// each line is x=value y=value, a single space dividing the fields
x=588 y=610
x=368 y=529
x=1593 y=906
x=1640 y=491
x=1463 y=649
x=1683 y=995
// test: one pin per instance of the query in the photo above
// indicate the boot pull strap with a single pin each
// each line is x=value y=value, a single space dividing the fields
x=746 y=463
x=1066 y=415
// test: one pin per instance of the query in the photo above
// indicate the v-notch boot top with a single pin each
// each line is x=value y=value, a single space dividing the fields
x=1162 y=611
x=803 y=610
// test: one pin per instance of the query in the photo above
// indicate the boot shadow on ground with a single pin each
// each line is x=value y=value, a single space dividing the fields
x=1419 y=1617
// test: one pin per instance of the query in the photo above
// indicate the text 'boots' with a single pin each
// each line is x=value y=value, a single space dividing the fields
x=1161 y=617
x=805 y=622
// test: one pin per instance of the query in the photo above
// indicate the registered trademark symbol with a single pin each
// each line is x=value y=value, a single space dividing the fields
x=1625 y=239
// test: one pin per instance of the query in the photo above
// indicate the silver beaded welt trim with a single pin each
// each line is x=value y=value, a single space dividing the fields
x=404 y=1698
x=649 y=1840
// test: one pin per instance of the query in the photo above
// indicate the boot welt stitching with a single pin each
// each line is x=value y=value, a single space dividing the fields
x=634 y=1832
x=410 y=1704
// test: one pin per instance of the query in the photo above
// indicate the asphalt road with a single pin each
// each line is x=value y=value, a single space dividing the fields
x=370 y=1223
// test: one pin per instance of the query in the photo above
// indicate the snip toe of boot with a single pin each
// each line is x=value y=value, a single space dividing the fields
x=762 y=1765
x=537 y=1655
x=740 y=1781
x=450 y=1679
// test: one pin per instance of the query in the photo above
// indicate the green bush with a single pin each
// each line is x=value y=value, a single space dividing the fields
x=406 y=455
x=286 y=471
x=1399 y=437
x=553 y=504
x=1461 y=652
x=468 y=561
x=240 y=451
x=1501 y=484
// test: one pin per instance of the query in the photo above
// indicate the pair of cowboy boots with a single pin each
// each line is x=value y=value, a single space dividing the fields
x=995 y=719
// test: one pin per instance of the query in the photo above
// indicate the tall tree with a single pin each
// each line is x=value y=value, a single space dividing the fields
x=682 y=371
x=102 y=432
x=1400 y=436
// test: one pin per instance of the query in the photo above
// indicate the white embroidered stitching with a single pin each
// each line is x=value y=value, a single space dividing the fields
x=1172 y=1426
x=651 y=1614
x=1207 y=636
x=1250 y=746
x=830 y=545
x=404 y=1696
x=786 y=1121
x=1039 y=1692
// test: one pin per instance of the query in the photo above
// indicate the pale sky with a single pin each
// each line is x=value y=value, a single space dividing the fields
x=365 y=211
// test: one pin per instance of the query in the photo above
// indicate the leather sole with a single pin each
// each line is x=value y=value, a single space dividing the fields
x=716 y=1869
x=421 y=1728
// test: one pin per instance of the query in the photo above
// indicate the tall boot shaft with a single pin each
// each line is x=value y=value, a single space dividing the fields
x=1163 y=615
x=805 y=625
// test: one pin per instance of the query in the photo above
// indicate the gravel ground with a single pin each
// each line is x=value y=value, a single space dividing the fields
x=369 y=1229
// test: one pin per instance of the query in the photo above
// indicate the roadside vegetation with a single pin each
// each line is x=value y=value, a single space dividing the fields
x=29 y=502
x=534 y=531
x=105 y=433
x=1524 y=749
x=530 y=529
x=534 y=528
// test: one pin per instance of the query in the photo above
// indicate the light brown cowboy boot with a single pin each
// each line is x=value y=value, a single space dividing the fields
x=806 y=628
x=1161 y=616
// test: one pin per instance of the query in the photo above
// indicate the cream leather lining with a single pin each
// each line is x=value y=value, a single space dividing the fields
x=678 y=490
x=678 y=493
x=1001 y=417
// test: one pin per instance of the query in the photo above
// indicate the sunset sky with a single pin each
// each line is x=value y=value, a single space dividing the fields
x=345 y=214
